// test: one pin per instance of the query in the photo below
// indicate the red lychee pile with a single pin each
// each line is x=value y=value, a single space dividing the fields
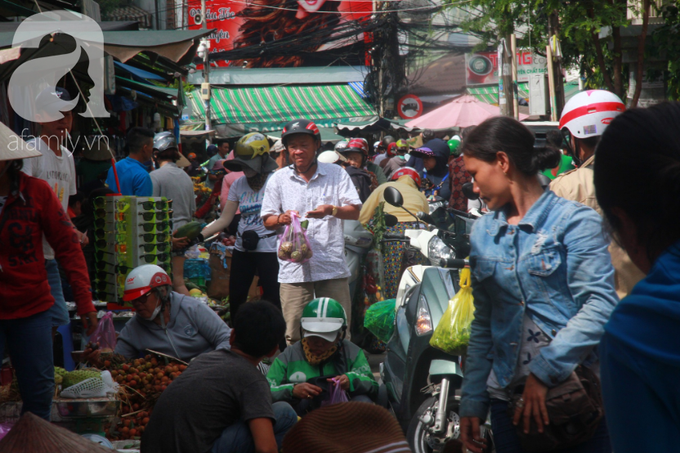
x=141 y=383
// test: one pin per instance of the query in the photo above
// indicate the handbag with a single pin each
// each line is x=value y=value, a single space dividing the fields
x=574 y=410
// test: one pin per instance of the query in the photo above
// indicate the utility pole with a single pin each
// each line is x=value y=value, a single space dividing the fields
x=505 y=96
x=554 y=32
x=515 y=95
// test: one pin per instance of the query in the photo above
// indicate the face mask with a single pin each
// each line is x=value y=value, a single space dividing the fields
x=155 y=312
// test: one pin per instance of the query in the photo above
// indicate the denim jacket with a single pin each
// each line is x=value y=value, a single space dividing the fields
x=554 y=264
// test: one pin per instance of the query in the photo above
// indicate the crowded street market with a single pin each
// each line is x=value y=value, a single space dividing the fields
x=361 y=226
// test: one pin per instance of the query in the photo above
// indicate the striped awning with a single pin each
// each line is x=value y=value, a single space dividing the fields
x=268 y=108
x=489 y=94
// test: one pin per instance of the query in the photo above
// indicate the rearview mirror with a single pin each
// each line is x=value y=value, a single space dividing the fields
x=469 y=192
x=393 y=197
x=391 y=220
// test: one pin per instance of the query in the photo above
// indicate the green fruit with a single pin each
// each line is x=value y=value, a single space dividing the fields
x=60 y=371
x=189 y=230
x=296 y=256
x=58 y=379
x=77 y=376
x=283 y=255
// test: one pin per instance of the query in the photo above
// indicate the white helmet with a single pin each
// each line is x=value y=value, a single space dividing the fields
x=141 y=279
x=331 y=157
x=342 y=144
x=588 y=113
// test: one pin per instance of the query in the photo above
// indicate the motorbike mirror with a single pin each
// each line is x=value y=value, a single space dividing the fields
x=469 y=192
x=391 y=220
x=427 y=218
x=393 y=197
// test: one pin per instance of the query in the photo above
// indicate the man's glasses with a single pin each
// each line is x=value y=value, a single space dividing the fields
x=155 y=215
x=151 y=248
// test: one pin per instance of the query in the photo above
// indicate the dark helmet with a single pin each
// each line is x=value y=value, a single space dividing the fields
x=299 y=127
x=387 y=140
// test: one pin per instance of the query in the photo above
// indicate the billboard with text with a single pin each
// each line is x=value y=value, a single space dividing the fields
x=264 y=22
x=481 y=68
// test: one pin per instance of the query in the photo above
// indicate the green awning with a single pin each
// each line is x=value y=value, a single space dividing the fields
x=489 y=94
x=268 y=108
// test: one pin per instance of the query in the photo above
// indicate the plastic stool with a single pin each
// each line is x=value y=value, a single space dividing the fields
x=67 y=339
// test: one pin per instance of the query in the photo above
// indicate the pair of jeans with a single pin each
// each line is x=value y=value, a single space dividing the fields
x=29 y=343
x=58 y=311
x=506 y=440
x=243 y=268
x=238 y=439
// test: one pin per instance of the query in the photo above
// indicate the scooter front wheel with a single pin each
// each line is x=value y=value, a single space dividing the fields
x=421 y=438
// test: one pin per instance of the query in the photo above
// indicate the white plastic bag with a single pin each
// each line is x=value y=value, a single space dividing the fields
x=92 y=388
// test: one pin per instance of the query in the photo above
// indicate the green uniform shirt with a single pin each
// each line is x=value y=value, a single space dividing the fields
x=291 y=368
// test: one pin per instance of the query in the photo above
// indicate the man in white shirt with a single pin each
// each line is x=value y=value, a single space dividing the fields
x=324 y=194
x=55 y=166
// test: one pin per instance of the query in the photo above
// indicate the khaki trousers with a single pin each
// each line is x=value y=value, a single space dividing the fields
x=295 y=296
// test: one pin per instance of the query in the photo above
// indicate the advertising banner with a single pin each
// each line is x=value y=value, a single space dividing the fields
x=249 y=23
x=482 y=67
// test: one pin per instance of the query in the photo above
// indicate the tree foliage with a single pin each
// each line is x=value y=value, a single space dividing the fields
x=577 y=23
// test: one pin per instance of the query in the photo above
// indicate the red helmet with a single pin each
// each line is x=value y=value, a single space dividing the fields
x=392 y=149
x=356 y=145
x=142 y=279
x=407 y=171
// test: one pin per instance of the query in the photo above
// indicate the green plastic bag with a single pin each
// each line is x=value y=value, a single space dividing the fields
x=452 y=334
x=379 y=319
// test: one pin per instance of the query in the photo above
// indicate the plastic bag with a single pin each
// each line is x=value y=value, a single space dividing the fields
x=92 y=388
x=452 y=334
x=337 y=394
x=105 y=333
x=5 y=428
x=294 y=246
x=379 y=319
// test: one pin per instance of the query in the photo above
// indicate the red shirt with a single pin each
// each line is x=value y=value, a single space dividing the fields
x=29 y=212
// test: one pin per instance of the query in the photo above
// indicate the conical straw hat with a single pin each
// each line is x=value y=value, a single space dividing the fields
x=32 y=433
x=13 y=147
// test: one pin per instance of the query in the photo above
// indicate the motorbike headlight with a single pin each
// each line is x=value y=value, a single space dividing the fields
x=437 y=250
x=423 y=318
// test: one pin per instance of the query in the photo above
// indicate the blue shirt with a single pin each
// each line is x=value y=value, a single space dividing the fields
x=640 y=352
x=554 y=265
x=133 y=177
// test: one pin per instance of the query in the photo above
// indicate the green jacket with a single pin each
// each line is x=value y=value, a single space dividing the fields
x=291 y=368
x=379 y=173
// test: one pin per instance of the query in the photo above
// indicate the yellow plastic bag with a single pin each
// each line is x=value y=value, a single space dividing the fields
x=452 y=334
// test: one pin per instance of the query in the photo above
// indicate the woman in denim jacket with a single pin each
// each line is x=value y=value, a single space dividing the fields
x=543 y=286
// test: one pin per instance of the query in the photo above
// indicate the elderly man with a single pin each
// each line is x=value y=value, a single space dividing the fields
x=324 y=194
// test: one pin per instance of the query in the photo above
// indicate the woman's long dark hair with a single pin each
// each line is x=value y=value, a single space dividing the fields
x=637 y=170
x=502 y=133
x=265 y=25
x=13 y=171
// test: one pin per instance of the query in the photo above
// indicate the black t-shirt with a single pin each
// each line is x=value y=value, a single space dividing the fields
x=218 y=389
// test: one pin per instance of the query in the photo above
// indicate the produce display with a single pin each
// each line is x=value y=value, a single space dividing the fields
x=141 y=383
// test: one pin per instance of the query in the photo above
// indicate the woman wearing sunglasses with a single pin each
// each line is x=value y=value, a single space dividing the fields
x=255 y=248
x=30 y=209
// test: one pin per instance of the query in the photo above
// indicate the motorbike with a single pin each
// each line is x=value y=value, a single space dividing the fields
x=422 y=383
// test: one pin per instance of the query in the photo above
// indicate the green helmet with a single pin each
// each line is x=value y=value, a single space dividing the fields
x=454 y=143
x=323 y=317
